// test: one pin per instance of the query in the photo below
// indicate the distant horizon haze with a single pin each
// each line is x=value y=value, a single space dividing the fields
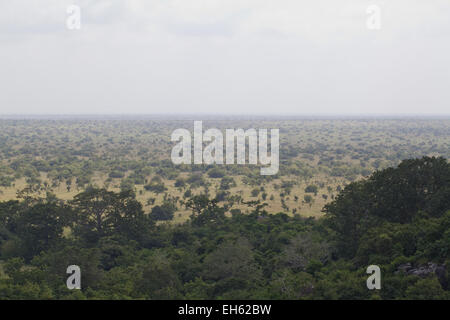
x=214 y=116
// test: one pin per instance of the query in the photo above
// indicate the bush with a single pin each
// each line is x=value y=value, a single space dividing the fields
x=164 y=212
x=216 y=173
x=311 y=189
x=155 y=187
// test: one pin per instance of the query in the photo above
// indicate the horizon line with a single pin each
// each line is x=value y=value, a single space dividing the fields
x=172 y=115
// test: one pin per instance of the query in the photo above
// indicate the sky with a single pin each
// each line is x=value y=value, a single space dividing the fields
x=225 y=56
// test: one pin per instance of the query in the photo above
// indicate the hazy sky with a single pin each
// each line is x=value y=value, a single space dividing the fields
x=224 y=56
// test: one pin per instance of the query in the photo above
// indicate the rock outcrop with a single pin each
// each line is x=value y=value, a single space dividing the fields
x=425 y=270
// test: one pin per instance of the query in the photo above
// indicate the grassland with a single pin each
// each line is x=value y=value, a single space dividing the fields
x=64 y=156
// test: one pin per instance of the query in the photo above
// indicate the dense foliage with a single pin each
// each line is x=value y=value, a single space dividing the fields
x=398 y=218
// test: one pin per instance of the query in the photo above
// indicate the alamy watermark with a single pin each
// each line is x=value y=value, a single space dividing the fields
x=373 y=21
x=74 y=280
x=73 y=21
x=213 y=152
x=374 y=280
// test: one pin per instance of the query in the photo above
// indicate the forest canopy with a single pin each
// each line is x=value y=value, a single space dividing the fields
x=397 y=218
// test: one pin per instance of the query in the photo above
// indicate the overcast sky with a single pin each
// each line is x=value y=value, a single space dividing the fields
x=224 y=56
